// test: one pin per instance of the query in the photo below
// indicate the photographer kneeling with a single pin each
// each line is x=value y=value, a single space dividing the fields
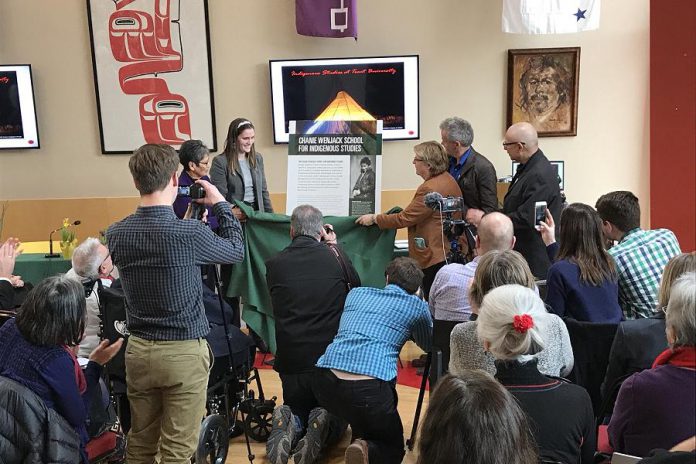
x=159 y=258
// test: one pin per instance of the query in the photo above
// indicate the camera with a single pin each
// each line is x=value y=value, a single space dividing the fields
x=451 y=227
x=194 y=191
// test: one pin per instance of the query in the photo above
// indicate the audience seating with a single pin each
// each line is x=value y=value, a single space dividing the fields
x=591 y=344
x=441 y=343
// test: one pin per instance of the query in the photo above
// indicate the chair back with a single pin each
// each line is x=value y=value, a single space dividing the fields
x=441 y=342
x=591 y=344
x=112 y=311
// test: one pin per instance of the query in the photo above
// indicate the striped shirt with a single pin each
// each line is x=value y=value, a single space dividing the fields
x=375 y=325
x=640 y=258
x=159 y=257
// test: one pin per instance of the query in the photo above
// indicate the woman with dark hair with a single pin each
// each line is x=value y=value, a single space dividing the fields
x=238 y=172
x=37 y=349
x=472 y=419
x=195 y=159
x=425 y=238
x=512 y=327
x=582 y=283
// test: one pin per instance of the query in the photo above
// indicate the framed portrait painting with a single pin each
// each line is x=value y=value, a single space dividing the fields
x=152 y=72
x=543 y=89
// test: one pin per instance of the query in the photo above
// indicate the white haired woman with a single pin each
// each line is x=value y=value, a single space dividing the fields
x=656 y=407
x=512 y=327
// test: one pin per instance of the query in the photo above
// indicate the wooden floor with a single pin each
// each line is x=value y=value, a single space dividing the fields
x=408 y=397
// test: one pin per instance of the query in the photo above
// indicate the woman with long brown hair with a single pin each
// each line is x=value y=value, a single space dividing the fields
x=582 y=283
x=238 y=172
x=472 y=419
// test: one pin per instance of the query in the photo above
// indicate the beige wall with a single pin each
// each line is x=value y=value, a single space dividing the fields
x=463 y=72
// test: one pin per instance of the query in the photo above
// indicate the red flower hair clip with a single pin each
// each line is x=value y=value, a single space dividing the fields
x=522 y=323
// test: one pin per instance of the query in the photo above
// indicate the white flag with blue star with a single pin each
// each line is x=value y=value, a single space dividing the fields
x=550 y=16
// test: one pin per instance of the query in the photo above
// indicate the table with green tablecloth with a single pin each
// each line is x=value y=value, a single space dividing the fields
x=266 y=234
x=34 y=267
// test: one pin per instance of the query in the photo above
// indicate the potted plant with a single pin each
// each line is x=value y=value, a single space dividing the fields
x=68 y=239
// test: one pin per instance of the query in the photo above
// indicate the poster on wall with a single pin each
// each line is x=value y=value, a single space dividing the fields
x=335 y=166
x=152 y=72
x=18 y=127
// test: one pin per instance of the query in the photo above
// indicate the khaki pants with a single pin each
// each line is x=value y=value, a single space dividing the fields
x=167 y=383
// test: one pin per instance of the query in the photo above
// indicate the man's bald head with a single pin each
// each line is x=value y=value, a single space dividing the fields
x=495 y=232
x=526 y=134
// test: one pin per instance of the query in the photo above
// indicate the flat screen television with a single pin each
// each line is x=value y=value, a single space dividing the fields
x=18 y=127
x=384 y=88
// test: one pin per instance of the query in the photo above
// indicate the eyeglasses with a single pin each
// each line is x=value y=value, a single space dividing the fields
x=506 y=144
x=415 y=158
x=204 y=163
x=108 y=255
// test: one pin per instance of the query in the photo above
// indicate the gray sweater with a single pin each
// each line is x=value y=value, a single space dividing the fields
x=466 y=351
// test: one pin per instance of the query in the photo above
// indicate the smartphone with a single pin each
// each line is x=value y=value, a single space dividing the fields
x=539 y=213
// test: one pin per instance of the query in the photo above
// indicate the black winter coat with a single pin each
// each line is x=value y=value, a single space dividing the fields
x=30 y=432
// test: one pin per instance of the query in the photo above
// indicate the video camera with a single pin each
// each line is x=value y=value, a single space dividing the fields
x=451 y=227
x=194 y=191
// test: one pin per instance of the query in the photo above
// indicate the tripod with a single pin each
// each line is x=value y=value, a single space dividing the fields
x=437 y=354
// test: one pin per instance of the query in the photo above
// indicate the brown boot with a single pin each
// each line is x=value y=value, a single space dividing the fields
x=356 y=453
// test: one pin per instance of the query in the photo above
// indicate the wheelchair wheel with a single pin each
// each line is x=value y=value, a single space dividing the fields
x=258 y=421
x=213 y=441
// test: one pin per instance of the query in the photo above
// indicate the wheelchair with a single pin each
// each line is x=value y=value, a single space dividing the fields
x=232 y=404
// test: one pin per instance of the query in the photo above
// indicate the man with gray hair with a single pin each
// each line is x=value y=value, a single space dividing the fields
x=449 y=295
x=91 y=262
x=308 y=282
x=472 y=171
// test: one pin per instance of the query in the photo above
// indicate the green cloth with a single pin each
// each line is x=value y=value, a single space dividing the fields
x=266 y=234
x=34 y=267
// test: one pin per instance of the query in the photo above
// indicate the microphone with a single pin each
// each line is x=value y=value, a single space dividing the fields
x=432 y=200
x=51 y=254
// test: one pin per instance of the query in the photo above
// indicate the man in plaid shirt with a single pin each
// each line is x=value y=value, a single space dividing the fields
x=640 y=255
x=357 y=375
x=159 y=258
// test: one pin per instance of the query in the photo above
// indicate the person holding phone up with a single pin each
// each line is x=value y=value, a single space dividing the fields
x=534 y=182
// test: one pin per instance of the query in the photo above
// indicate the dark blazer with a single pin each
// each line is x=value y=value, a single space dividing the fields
x=308 y=290
x=636 y=345
x=6 y=295
x=231 y=185
x=536 y=180
x=477 y=182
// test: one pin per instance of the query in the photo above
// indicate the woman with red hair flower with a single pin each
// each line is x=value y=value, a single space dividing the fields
x=512 y=327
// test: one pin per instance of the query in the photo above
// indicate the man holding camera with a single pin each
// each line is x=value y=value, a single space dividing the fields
x=159 y=258
x=308 y=282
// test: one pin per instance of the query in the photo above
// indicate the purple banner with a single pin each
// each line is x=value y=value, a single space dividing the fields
x=326 y=18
